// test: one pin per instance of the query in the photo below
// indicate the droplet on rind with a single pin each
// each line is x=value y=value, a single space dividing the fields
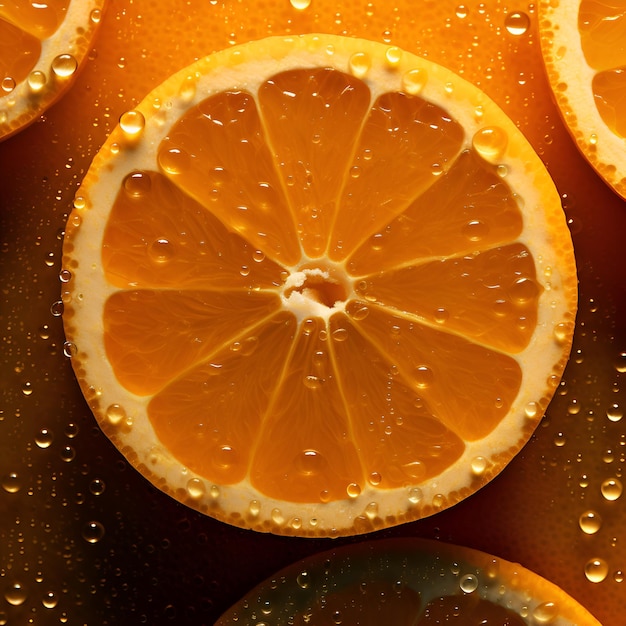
x=196 y=488
x=132 y=123
x=360 y=64
x=115 y=414
x=490 y=143
x=545 y=613
x=8 y=84
x=64 y=66
x=393 y=55
x=479 y=465
x=36 y=81
x=414 y=81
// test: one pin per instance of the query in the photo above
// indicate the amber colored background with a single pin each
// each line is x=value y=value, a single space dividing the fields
x=84 y=539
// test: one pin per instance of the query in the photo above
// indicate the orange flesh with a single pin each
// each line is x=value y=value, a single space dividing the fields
x=311 y=411
x=19 y=52
x=40 y=19
x=602 y=26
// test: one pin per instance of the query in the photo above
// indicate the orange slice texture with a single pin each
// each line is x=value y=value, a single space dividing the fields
x=42 y=45
x=407 y=582
x=584 y=49
x=317 y=285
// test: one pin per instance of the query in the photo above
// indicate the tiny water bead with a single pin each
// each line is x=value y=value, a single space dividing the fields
x=596 y=570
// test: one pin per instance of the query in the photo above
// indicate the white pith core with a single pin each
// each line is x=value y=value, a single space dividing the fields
x=316 y=292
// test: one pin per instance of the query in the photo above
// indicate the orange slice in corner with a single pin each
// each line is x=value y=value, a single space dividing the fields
x=41 y=48
x=318 y=286
x=407 y=582
x=584 y=49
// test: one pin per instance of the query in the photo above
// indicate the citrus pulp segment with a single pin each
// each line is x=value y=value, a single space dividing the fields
x=414 y=582
x=41 y=48
x=584 y=50
x=317 y=288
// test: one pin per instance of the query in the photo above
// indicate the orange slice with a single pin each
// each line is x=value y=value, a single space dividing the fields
x=412 y=582
x=584 y=49
x=41 y=48
x=317 y=285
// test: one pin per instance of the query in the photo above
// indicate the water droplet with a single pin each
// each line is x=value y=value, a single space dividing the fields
x=461 y=11
x=44 y=438
x=300 y=5
x=97 y=487
x=93 y=532
x=340 y=334
x=132 y=123
x=69 y=349
x=303 y=579
x=393 y=55
x=27 y=388
x=95 y=16
x=441 y=316
x=468 y=583
x=309 y=462
x=8 y=84
x=371 y=510
x=375 y=479
x=517 y=23
x=50 y=600
x=596 y=570
x=479 y=465
x=559 y=440
x=545 y=613
x=115 y=414
x=415 y=495
x=11 y=482
x=187 y=90
x=161 y=251
x=312 y=382
x=360 y=314
x=68 y=454
x=226 y=456
x=618 y=576
x=615 y=413
x=475 y=230
x=423 y=376
x=64 y=65
x=414 y=81
x=360 y=64
x=15 y=594
x=254 y=507
x=137 y=184
x=353 y=490
x=620 y=363
x=611 y=489
x=490 y=143
x=277 y=517
x=590 y=522
x=36 y=81
x=56 y=308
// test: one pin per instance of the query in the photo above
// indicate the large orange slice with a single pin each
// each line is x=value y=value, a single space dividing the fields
x=584 y=48
x=317 y=285
x=407 y=582
x=42 y=45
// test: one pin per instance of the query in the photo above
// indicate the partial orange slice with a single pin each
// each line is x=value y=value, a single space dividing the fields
x=584 y=49
x=407 y=582
x=42 y=45
x=317 y=285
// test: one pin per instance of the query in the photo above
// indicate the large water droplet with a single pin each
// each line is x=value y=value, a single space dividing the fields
x=93 y=532
x=590 y=522
x=517 y=23
x=596 y=570
x=612 y=488
x=64 y=65
x=15 y=594
x=132 y=123
x=468 y=583
x=490 y=143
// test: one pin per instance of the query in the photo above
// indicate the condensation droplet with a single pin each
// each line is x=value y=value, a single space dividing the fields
x=531 y=410
x=371 y=510
x=8 y=84
x=132 y=123
x=50 y=600
x=615 y=413
x=115 y=414
x=414 y=81
x=97 y=487
x=611 y=488
x=590 y=522
x=468 y=583
x=11 y=482
x=95 y=16
x=36 y=81
x=561 y=332
x=303 y=579
x=137 y=184
x=479 y=465
x=461 y=11
x=300 y=5
x=353 y=490
x=44 y=438
x=415 y=495
x=161 y=251
x=93 y=532
x=545 y=613
x=517 y=23
x=69 y=349
x=68 y=454
x=393 y=55
x=360 y=64
x=596 y=570
x=254 y=507
x=64 y=65
x=15 y=594
x=423 y=376
x=490 y=142
x=196 y=488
